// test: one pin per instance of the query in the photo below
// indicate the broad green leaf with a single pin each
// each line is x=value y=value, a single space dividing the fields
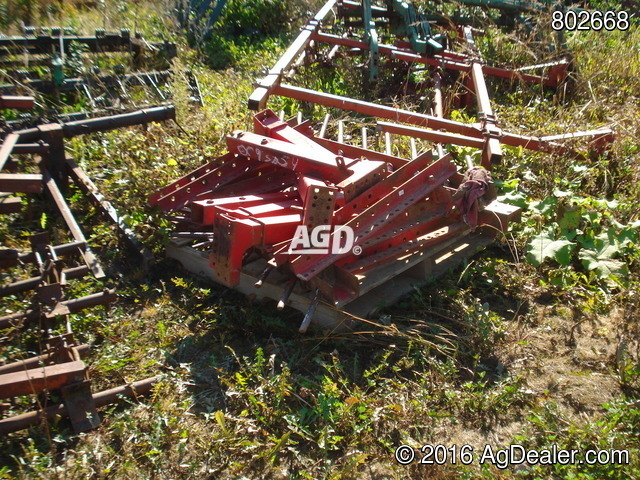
x=561 y=193
x=601 y=256
x=604 y=203
x=604 y=267
x=594 y=217
x=629 y=234
x=508 y=185
x=542 y=247
x=514 y=198
x=605 y=244
x=546 y=207
x=571 y=218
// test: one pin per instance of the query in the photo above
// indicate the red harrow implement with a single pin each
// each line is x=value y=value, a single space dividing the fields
x=329 y=227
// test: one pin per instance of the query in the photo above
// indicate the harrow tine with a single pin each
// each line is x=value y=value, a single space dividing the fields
x=325 y=123
x=263 y=276
x=306 y=321
x=287 y=293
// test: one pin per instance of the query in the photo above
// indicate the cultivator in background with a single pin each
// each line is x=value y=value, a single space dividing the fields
x=33 y=162
x=330 y=227
x=108 y=72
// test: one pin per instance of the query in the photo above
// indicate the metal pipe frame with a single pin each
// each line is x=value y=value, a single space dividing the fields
x=33 y=362
x=258 y=98
x=73 y=305
x=486 y=130
x=106 y=397
x=457 y=62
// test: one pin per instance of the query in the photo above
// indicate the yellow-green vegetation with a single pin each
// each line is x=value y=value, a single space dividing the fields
x=533 y=342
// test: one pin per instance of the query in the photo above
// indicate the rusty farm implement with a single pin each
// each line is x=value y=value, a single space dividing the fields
x=336 y=228
x=109 y=72
x=333 y=227
x=56 y=380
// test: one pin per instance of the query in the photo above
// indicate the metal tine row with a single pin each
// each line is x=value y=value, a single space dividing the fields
x=59 y=367
x=364 y=136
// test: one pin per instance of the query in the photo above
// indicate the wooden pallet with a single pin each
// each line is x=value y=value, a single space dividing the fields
x=378 y=289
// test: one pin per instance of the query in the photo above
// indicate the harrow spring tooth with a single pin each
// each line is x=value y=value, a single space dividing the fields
x=308 y=317
x=265 y=273
x=286 y=294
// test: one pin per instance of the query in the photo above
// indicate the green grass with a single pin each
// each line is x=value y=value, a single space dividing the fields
x=468 y=358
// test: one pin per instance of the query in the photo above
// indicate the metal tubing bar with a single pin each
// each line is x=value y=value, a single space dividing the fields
x=325 y=122
x=103 y=81
x=74 y=305
x=353 y=151
x=605 y=133
x=63 y=249
x=482 y=94
x=42 y=44
x=16 y=101
x=375 y=110
x=543 y=144
x=85 y=184
x=25 y=420
x=38 y=379
x=372 y=39
x=356 y=8
x=432 y=135
x=74 y=228
x=10 y=205
x=30 y=148
x=258 y=98
x=511 y=6
x=21 y=182
x=537 y=143
x=438 y=101
x=7 y=148
x=458 y=62
x=37 y=361
x=557 y=63
x=31 y=283
x=100 y=124
x=66 y=117
x=156 y=114
x=437 y=97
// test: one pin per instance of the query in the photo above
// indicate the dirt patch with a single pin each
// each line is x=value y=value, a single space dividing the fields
x=569 y=359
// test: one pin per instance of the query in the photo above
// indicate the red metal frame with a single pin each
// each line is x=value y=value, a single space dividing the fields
x=398 y=209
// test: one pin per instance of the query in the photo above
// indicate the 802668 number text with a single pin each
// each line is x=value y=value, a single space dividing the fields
x=590 y=20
